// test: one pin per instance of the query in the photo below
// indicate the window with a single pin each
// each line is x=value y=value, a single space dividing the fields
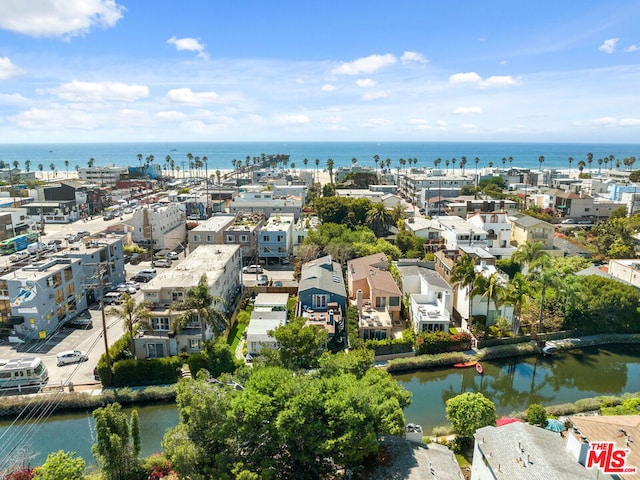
x=280 y=238
x=210 y=238
x=155 y=350
x=177 y=295
x=196 y=238
x=230 y=238
x=381 y=302
x=194 y=344
x=319 y=301
x=394 y=301
x=265 y=238
x=160 y=323
x=194 y=321
x=68 y=274
x=244 y=238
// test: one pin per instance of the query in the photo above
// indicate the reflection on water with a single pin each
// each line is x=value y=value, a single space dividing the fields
x=511 y=384
x=76 y=432
x=514 y=384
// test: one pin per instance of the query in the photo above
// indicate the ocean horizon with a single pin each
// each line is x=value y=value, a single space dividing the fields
x=221 y=154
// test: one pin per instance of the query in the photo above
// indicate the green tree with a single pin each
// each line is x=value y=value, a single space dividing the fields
x=330 y=168
x=206 y=306
x=115 y=450
x=134 y=315
x=379 y=219
x=529 y=254
x=470 y=411
x=536 y=415
x=61 y=465
x=299 y=345
x=517 y=293
x=490 y=288
x=91 y=162
x=543 y=276
x=27 y=165
x=463 y=275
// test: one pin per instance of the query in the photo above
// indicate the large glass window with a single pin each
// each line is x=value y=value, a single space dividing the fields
x=160 y=323
x=394 y=301
x=381 y=302
x=155 y=350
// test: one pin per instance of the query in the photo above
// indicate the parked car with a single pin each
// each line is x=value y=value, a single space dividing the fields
x=135 y=259
x=79 y=322
x=584 y=222
x=172 y=256
x=148 y=271
x=124 y=288
x=83 y=234
x=568 y=221
x=20 y=256
x=163 y=263
x=133 y=284
x=263 y=280
x=113 y=298
x=142 y=278
x=71 y=356
x=252 y=269
x=55 y=242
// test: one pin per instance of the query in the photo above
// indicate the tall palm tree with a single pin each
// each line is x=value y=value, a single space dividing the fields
x=27 y=165
x=492 y=288
x=570 y=159
x=41 y=168
x=190 y=158
x=589 y=159
x=139 y=157
x=52 y=167
x=387 y=162
x=504 y=162
x=402 y=162
x=306 y=162
x=379 y=219
x=317 y=162
x=91 y=162
x=437 y=162
x=528 y=254
x=517 y=294
x=581 y=165
x=453 y=165
x=463 y=163
x=205 y=305
x=544 y=276
x=376 y=160
x=134 y=315
x=540 y=160
x=463 y=275
x=330 y=168
x=510 y=161
x=66 y=166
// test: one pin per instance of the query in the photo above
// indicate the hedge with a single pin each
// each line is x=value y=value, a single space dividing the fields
x=389 y=346
x=154 y=371
x=440 y=342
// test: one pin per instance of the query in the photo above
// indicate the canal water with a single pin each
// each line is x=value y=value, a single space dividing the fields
x=511 y=384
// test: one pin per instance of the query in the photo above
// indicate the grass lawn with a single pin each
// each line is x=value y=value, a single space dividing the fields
x=235 y=335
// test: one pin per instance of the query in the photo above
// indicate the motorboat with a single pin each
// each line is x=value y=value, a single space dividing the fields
x=550 y=349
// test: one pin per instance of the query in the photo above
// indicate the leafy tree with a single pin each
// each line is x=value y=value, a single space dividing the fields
x=61 y=465
x=134 y=315
x=299 y=345
x=356 y=362
x=470 y=411
x=204 y=304
x=491 y=288
x=536 y=415
x=463 y=275
x=379 y=219
x=116 y=449
x=328 y=190
x=528 y=254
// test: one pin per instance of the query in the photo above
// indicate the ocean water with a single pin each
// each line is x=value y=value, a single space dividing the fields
x=221 y=154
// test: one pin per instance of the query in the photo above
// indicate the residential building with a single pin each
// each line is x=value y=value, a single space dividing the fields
x=457 y=231
x=221 y=264
x=265 y=201
x=102 y=175
x=322 y=296
x=625 y=270
x=370 y=275
x=430 y=297
x=519 y=450
x=275 y=239
x=427 y=229
x=159 y=226
x=418 y=186
x=244 y=232
x=525 y=228
x=342 y=172
x=63 y=211
x=15 y=221
x=210 y=231
x=496 y=224
x=467 y=208
x=38 y=298
x=574 y=205
x=301 y=230
x=269 y=312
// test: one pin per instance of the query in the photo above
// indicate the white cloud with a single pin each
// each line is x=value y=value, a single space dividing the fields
x=609 y=46
x=605 y=122
x=186 y=96
x=375 y=95
x=632 y=48
x=378 y=122
x=441 y=123
x=629 y=122
x=472 y=78
x=58 y=18
x=8 y=69
x=417 y=121
x=298 y=119
x=467 y=110
x=413 y=57
x=12 y=99
x=327 y=87
x=188 y=44
x=469 y=126
x=464 y=78
x=77 y=91
x=365 y=82
x=171 y=116
x=369 y=64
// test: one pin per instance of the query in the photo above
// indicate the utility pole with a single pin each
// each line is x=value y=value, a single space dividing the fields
x=100 y=270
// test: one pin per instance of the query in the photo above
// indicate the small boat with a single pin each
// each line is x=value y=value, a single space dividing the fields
x=465 y=364
x=479 y=368
x=549 y=349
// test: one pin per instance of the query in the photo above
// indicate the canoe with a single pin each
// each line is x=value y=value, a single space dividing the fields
x=465 y=364
x=479 y=368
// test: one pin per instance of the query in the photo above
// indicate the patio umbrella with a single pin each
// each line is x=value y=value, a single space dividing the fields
x=554 y=425
x=506 y=421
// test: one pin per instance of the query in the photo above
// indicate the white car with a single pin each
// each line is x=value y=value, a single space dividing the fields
x=124 y=288
x=133 y=284
x=171 y=256
x=252 y=269
x=71 y=356
x=263 y=280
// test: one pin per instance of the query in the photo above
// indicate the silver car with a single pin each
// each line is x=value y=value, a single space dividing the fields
x=71 y=356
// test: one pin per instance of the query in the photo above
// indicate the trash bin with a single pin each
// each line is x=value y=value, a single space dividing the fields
x=70 y=385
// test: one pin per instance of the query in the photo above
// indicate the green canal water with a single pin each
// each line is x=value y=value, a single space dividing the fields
x=511 y=384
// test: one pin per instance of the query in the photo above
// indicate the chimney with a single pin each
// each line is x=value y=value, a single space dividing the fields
x=359 y=302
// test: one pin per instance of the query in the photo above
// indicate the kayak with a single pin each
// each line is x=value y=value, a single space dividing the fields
x=479 y=368
x=465 y=364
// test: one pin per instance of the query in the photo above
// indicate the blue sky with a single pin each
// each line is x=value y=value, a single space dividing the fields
x=414 y=70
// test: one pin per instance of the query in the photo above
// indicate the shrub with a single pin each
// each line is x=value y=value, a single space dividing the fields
x=536 y=415
x=440 y=342
x=153 y=371
x=426 y=361
x=389 y=346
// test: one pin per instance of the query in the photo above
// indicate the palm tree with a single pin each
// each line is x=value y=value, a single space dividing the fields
x=379 y=219
x=27 y=165
x=66 y=166
x=504 y=162
x=387 y=162
x=52 y=167
x=528 y=254
x=306 y=162
x=453 y=165
x=540 y=160
x=376 y=160
x=437 y=162
x=589 y=159
x=570 y=159
x=600 y=165
x=491 y=288
x=463 y=275
x=517 y=294
x=581 y=165
x=139 y=157
x=41 y=168
x=544 y=276
x=463 y=163
x=205 y=305
x=317 y=162
x=190 y=158
x=134 y=315
x=330 y=168
x=510 y=161
x=91 y=162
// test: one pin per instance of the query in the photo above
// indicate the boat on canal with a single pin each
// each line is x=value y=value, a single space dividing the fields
x=465 y=364
x=479 y=368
